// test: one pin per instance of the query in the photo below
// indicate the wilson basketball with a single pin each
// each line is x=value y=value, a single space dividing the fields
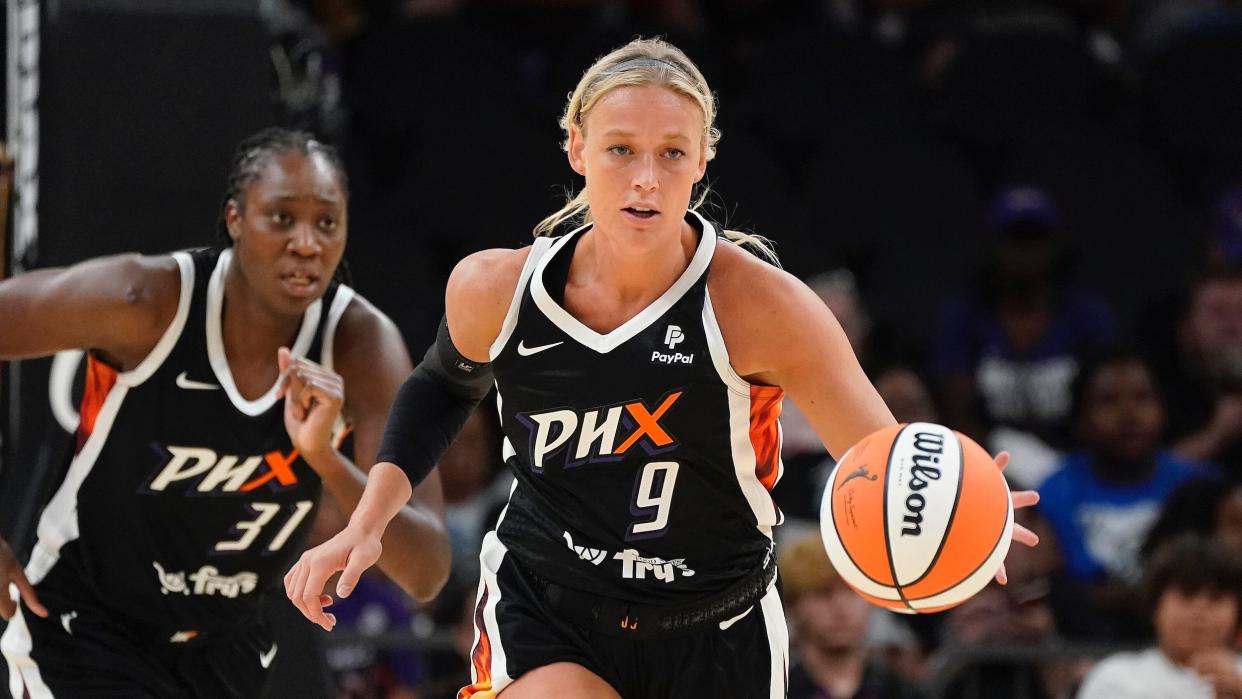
x=916 y=518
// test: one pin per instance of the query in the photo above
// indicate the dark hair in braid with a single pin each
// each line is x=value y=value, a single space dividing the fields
x=255 y=152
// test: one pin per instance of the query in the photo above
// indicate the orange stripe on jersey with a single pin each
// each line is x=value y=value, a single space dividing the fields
x=765 y=432
x=100 y=378
x=481 y=658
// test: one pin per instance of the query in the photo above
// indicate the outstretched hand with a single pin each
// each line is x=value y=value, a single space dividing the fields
x=1021 y=498
x=351 y=551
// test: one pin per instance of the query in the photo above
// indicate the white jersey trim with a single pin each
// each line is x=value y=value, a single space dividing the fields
x=720 y=353
x=744 y=465
x=537 y=251
x=344 y=295
x=778 y=642
x=215 y=341
x=490 y=557
x=155 y=358
x=327 y=357
x=59 y=523
x=17 y=646
x=607 y=342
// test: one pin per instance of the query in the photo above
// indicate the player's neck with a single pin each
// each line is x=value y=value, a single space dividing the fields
x=252 y=331
x=630 y=273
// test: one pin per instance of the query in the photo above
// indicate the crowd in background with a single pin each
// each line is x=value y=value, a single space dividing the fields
x=1027 y=217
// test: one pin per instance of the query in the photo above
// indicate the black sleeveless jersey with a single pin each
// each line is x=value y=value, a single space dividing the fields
x=643 y=462
x=184 y=502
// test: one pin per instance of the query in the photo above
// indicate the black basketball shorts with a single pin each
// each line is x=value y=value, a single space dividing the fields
x=516 y=630
x=81 y=653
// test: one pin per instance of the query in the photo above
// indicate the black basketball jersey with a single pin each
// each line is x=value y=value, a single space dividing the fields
x=184 y=502
x=643 y=462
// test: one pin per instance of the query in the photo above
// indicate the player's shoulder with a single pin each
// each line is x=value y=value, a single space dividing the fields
x=741 y=282
x=364 y=324
x=153 y=272
x=479 y=294
x=488 y=276
x=369 y=351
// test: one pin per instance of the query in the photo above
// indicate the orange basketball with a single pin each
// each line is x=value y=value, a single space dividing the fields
x=916 y=518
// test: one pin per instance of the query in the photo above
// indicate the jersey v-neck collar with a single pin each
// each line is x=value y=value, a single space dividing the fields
x=606 y=342
x=215 y=341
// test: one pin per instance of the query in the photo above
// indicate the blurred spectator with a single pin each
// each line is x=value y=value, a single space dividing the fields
x=1007 y=350
x=362 y=669
x=906 y=394
x=1205 y=383
x=1206 y=507
x=1195 y=594
x=1226 y=227
x=1019 y=612
x=1105 y=497
x=829 y=624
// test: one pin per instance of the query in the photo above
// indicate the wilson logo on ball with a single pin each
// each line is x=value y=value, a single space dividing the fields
x=924 y=469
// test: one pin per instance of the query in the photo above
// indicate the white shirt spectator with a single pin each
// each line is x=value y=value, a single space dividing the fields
x=1144 y=675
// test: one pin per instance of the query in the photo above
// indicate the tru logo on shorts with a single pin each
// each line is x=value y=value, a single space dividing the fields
x=223 y=473
x=599 y=434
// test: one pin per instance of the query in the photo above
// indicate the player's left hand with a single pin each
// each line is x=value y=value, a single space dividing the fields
x=350 y=552
x=313 y=399
x=1021 y=498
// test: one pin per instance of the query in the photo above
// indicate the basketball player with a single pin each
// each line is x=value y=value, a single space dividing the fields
x=641 y=361
x=194 y=484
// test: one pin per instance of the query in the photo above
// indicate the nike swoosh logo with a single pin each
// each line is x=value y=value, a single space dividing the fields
x=527 y=351
x=265 y=659
x=184 y=382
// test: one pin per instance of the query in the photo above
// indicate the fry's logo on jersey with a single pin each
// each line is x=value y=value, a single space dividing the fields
x=634 y=566
x=224 y=473
x=206 y=581
x=597 y=431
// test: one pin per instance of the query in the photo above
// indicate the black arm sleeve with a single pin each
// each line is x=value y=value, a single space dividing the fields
x=431 y=407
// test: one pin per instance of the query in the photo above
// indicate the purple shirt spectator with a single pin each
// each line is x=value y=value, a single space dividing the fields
x=1028 y=390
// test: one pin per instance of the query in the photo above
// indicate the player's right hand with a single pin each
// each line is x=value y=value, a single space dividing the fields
x=352 y=550
x=11 y=573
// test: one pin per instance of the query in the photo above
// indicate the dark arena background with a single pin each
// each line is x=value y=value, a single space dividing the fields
x=996 y=198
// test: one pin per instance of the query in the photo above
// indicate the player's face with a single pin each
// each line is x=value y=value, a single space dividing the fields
x=641 y=152
x=1123 y=415
x=289 y=235
x=1187 y=623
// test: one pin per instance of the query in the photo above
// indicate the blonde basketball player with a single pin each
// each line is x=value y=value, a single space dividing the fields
x=640 y=361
